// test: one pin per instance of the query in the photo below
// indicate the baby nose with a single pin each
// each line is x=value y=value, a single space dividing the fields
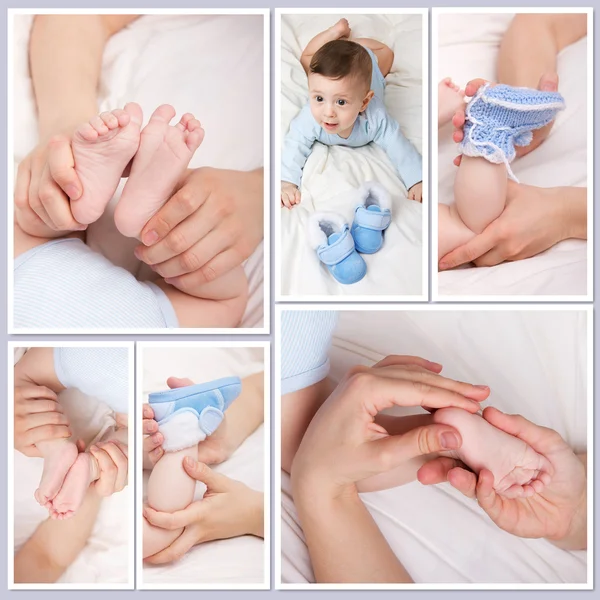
x=330 y=110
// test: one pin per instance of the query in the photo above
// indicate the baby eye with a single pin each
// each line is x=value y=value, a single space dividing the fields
x=319 y=98
x=341 y=103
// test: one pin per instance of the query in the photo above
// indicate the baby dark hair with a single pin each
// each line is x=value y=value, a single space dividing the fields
x=340 y=58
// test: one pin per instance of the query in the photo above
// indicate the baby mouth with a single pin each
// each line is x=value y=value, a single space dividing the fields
x=330 y=125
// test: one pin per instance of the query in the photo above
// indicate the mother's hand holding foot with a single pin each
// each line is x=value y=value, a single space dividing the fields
x=228 y=509
x=558 y=513
x=344 y=445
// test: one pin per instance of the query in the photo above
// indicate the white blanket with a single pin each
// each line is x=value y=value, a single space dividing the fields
x=210 y=65
x=237 y=560
x=331 y=172
x=107 y=557
x=536 y=365
x=467 y=47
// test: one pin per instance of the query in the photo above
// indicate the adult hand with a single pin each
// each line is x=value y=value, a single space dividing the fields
x=548 y=83
x=343 y=444
x=213 y=450
x=533 y=220
x=112 y=457
x=558 y=513
x=228 y=509
x=46 y=181
x=209 y=226
x=38 y=417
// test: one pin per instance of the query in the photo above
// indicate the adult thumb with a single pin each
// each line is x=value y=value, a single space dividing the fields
x=177 y=382
x=394 y=450
x=202 y=472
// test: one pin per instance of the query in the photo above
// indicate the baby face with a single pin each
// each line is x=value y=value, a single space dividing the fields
x=336 y=103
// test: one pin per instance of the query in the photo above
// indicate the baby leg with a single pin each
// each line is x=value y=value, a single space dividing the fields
x=452 y=232
x=340 y=30
x=480 y=192
x=59 y=456
x=384 y=54
x=170 y=489
x=219 y=303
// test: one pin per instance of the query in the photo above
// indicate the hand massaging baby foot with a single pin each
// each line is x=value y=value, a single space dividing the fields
x=500 y=117
x=519 y=471
x=188 y=415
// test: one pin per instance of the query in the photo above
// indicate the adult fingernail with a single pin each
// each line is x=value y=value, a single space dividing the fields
x=150 y=238
x=450 y=440
x=189 y=461
x=482 y=387
x=443 y=265
x=72 y=191
x=138 y=253
x=157 y=438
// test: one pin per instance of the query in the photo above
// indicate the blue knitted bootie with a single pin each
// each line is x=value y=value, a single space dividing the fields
x=372 y=217
x=500 y=117
x=330 y=236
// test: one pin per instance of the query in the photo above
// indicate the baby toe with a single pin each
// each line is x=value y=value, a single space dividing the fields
x=109 y=120
x=194 y=139
x=98 y=124
x=165 y=112
x=87 y=132
x=122 y=117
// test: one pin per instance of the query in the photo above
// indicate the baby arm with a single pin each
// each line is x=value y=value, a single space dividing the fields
x=297 y=147
x=401 y=152
x=170 y=489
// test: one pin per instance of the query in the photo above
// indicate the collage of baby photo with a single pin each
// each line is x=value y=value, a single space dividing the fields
x=300 y=299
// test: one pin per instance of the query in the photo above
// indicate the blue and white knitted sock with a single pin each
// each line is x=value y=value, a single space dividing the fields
x=500 y=117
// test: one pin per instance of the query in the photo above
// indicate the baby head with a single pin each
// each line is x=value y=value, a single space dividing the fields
x=339 y=84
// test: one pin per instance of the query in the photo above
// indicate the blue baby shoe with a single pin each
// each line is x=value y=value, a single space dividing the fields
x=500 y=117
x=330 y=236
x=372 y=217
x=188 y=415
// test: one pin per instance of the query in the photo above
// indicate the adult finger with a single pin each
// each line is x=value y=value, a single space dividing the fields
x=201 y=472
x=539 y=438
x=147 y=412
x=119 y=455
x=177 y=382
x=486 y=495
x=149 y=426
x=175 y=520
x=492 y=258
x=176 y=550
x=56 y=204
x=405 y=359
x=35 y=202
x=393 y=451
x=436 y=471
x=417 y=374
x=180 y=206
x=464 y=481
x=62 y=166
x=22 y=183
x=46 y=432
x=457 y=160
x=385 y=392
x=40 y=419
x=31 y=394
x=195 y=257
x=470 y=251
x=105 y=484
x=152 y=442
x=473 y=85
x=215 y=268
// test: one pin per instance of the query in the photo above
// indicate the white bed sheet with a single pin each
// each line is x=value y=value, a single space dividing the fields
x=467 y=47
x=210 y=65
x=535 y=364
x=238 y=560
x=331 y=172
x=108 y=554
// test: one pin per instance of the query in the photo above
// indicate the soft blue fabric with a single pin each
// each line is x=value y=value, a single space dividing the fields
x=101 y=372
x=373 y=125
x=65 y=285
x=341 y=258
x=305 y=343
x=500 y=117
x=368 y=226
x=206 y=401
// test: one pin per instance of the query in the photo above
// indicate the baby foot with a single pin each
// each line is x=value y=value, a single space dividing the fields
x=102 y=149
x=163 y=155
x=72 y=492
x=341 y=29
x=519 y=471
x=56 y=467
x=450 y=99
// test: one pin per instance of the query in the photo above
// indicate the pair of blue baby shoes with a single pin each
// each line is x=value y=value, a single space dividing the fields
x=188 y=415
x=338 y=245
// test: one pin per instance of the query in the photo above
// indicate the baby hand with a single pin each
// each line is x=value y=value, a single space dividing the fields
x=416 y=192
x=290 y=194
